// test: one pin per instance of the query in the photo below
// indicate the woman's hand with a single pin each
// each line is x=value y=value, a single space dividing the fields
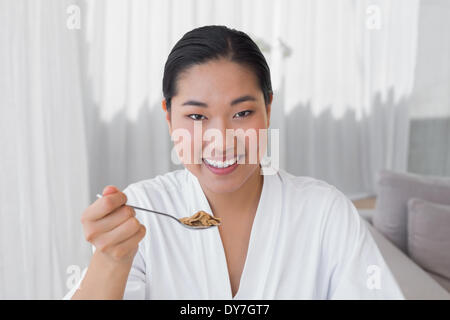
x=112 y=227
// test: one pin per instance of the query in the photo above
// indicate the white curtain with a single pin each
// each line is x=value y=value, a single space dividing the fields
x=430 y=111
x=81 y=109
x=43 y=166
x=346 y=89
x=342 y=73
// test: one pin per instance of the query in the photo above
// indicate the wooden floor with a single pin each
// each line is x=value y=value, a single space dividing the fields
x=367 y=203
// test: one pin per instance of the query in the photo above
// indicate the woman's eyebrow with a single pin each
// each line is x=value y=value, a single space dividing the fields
x=242 y=99
x=234 y=102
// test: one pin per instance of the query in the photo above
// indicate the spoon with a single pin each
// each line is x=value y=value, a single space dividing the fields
x=168 y=215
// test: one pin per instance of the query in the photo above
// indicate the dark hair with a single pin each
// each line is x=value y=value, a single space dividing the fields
x=213 y=42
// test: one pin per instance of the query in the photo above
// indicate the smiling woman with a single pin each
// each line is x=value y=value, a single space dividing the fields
x=218 y=76
x=280 y=236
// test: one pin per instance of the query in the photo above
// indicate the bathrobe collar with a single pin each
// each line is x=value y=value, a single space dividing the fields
x=262 y=243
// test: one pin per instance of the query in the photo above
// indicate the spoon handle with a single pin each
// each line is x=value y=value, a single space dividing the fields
x=157 y=212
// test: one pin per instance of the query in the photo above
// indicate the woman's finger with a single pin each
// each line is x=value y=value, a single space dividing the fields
x=125 y=247
x=105 y=205
x=112 y=220
x=117 y=235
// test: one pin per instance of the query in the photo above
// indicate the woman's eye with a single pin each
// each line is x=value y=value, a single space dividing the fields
x=196 y=116
x=243 y=114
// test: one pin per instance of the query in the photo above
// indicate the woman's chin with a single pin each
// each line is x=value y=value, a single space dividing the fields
x=221 y=188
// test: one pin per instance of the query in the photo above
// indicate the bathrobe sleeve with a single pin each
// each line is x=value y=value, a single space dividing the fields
x=356 y=268
x=135 y=286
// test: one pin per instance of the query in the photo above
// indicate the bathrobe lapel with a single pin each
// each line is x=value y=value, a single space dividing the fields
x=262 y=244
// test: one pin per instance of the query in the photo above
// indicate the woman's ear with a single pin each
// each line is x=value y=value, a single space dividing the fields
x=269 y=107
x=169 y=124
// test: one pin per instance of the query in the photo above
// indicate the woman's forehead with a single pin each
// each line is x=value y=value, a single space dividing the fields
x=217 y=80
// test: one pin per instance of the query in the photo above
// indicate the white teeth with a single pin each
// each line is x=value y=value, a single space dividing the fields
x=221 y=164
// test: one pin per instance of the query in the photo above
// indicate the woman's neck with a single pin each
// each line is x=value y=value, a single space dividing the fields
x=240 y=202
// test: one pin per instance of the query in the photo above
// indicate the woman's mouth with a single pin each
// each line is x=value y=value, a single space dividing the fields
x=222 y=167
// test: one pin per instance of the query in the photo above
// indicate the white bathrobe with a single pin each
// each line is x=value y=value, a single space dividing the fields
x=307 y=242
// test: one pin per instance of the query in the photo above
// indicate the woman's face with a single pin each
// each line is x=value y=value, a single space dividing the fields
x=213 y=97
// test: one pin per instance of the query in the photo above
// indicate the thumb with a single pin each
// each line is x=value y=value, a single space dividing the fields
x=109 y=190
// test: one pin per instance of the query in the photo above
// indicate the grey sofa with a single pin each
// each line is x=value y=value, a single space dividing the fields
x=414 y=281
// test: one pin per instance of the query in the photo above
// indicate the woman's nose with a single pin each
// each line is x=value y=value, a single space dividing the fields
x=223 y=140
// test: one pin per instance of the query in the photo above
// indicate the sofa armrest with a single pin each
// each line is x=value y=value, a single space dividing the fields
x=415 y=283
x=367 y=214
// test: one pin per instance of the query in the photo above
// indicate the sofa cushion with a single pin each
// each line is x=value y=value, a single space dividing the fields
x=444 y=282
x=414 y=281
x=429 y=236
x=393 y=192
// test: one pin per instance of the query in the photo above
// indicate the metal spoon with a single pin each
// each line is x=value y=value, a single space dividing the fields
x=167 y=215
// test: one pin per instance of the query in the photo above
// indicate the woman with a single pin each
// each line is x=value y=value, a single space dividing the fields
x=281 y=236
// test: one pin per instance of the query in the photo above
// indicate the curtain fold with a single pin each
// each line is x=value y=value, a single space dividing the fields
x=44 y=183
x=348 y=88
